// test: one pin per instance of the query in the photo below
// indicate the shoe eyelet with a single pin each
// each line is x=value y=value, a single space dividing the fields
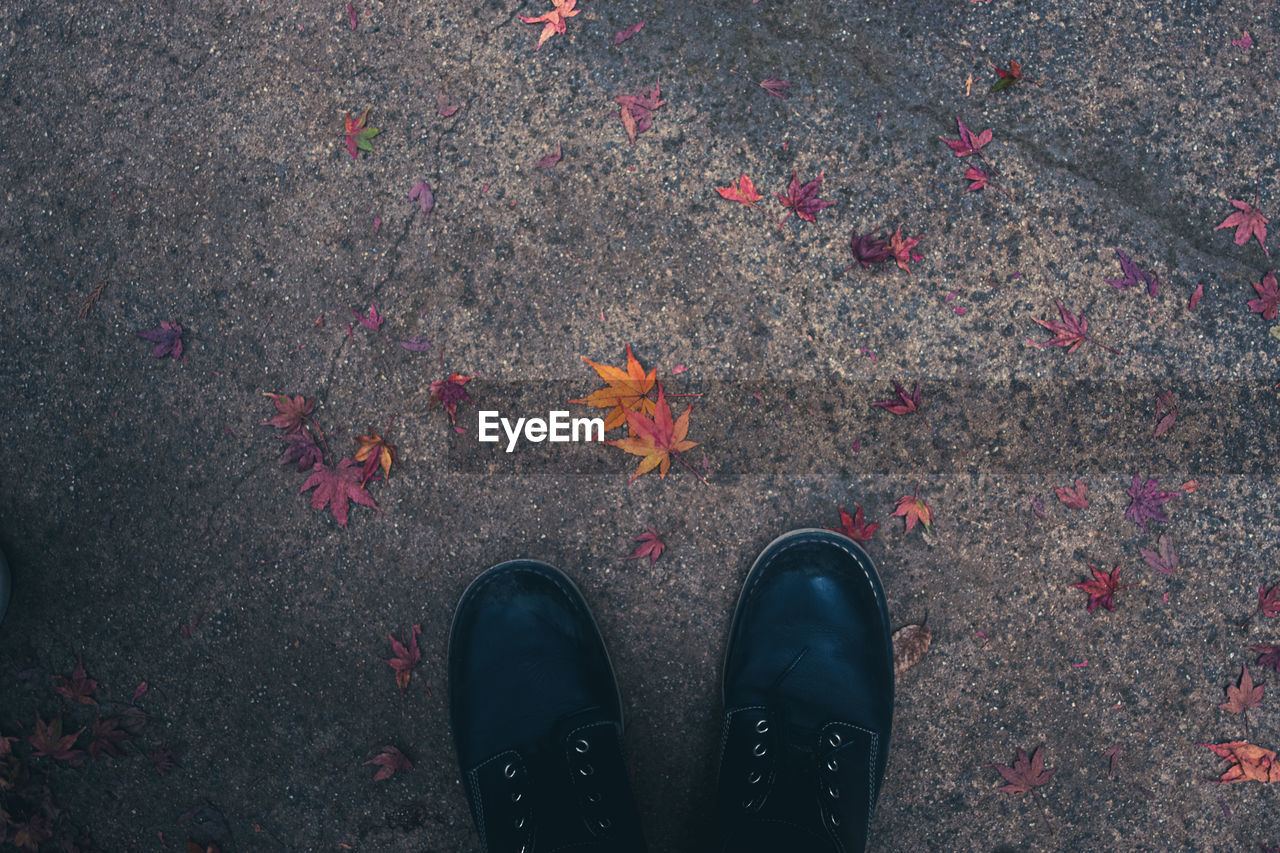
x=586 y=770
x=833 y=765
x=762 y=727
x=517 y=797
x=834 y=739
x=604 y=823
x=833 y=792
x=760 y=750
x=833 y=818
x=753 y=778
x=519 y=822
x=580 y=746
x=748 y=804
x=594 y=798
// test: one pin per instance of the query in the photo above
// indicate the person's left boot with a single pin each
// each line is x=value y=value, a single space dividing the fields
x=536 y=717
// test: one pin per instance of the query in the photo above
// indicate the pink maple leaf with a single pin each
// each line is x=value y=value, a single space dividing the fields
x=1268 y=302
x=389 y=761
x=334 y=487
x=1248 y=222
x=649 y=545
x=967 y=143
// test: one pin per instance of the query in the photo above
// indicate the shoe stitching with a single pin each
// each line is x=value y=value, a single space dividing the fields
x=473 y=779
x=871 y=773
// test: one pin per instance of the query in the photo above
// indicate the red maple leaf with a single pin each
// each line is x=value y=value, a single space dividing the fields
x=1163 y=560
x=167 y=337
x=1245 y=695
x=742 y=191
x=912 y=509
x=1070 y=333
x=389 y=761
x=900 y=247
x=902 y=403
x=1248 y=222
x=1268 y=655
x=78 y=686
x=291 y=411
x=335 y=486
x=637 y=111
x=649 y=545
x=1268 y=301
x=777 y=88
x=977 y=179
x=374 y=321
x=657 y=440
x=1075 y=498
x=855 y=527
x=1006 y=78
x=554 y=21
x=50 y=741
x=1269 y=601
x=301 y=447
x=106 y=736
x=1102 y=588
x=1147 y=501
x=803 y=200
x=404 y=657
x=967 y=143
x=1025 y=774
x=450 y=393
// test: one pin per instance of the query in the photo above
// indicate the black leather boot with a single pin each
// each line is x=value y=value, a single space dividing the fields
x=808 y=697
x=536 y=716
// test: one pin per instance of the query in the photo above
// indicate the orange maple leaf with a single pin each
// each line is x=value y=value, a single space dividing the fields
x=656 y=439
x=628 y=391
x=1249 y=763
x=912 y=509
x=375 y=451
x=553 y=21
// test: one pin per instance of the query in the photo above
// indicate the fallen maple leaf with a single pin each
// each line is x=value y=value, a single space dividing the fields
x=967 y=143
x=855 y=527
x=1146 y=502
x=622 y=35
x=162 y=758
x=358 y=134
x=301 y=447
x=904 y=404
x=650 y=545
x=637 y=111
x=167 y=337
x=1249 y=763
x=1244 y=42
x=912 y=509
x=1102 y=588
x=1163 y=560
x=389 y=761
x=977 y=179
x=803 y=200
x=1242 y=697
x=1269 y=600
x=418 y=343
x=1025 y=774
x=423 y=195
x=1268 y=655
x=106 y=736
x=1166 y=403
x=548 y=161
x=291 y=411
x=742 y=191
x=375 y=451
x=78 y=686
x=868 y=249
x=554 y=21
x=30 y=833
x=450 y=393
x=352 y=18
x=1196 y=295
x=1007 y=78
x=777 y=88
x=1268 y=302
x=909 y=646
x=1076 y=498
x=1248 y=222
x=1112 y=754
x=404 y=657
x=1070 y=332
x=373 y=321
x=1133 y=275
x=628 y=391
x=657 y=439
x=900 y=247
x=334 y=487
x=445 y=105
x=49 y=740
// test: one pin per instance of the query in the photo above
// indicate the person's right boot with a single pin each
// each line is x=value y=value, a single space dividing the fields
x=808 y=698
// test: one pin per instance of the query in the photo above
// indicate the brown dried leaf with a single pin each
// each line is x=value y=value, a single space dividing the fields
x=909 y=645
